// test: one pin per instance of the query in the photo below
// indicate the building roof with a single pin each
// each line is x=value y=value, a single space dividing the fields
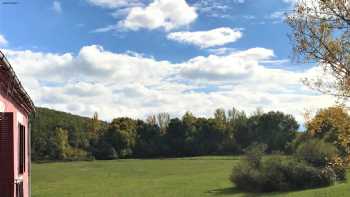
x=14 y=86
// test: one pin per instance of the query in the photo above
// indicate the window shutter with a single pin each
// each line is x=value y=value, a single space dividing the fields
x=6 y=155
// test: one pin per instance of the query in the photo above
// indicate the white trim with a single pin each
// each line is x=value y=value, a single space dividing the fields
x=19 y=179
x=2 y=106
x=20 y=118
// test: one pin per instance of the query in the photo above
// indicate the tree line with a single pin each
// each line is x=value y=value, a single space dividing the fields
x=62 y=136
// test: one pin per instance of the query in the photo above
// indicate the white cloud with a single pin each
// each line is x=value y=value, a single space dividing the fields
x=232 y=67
x=3 y=41
x=57 y=7
x=124 y=84
x=207 y=39
x=167 y=14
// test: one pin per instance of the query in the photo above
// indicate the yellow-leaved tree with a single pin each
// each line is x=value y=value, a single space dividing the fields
x=332 y=125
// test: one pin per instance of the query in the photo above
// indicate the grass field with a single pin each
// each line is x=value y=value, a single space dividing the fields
x=187 y=177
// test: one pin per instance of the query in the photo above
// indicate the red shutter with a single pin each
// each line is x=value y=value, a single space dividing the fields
x=6 y=155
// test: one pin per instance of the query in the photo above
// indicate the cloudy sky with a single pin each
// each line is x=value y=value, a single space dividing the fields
x=138 y=57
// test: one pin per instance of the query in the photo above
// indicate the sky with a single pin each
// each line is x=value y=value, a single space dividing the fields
x=140 y=57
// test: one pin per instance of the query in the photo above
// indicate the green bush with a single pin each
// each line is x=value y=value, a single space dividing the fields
x=105 y=151
x=280 y=173
x=304 y=176
x=247 y=177
x=328 y=176
x=254 y=153
x=316 y=152
x=274 y=172
x=292 y=146
x=340 y=173
x=338 y=165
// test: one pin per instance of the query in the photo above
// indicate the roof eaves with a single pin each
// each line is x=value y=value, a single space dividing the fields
x=28 y=100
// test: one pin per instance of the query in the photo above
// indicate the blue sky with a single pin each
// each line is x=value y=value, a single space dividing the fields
x=36 y=25
x=138 y=57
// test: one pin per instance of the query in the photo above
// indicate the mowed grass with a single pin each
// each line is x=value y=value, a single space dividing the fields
x=184 y=177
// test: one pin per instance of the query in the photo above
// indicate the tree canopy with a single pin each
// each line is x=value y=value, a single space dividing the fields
x=321 y=34
x=62 y=136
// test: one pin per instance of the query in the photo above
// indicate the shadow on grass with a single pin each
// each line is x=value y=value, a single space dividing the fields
x=207 y=158
x=224 y=191
x=233 y=191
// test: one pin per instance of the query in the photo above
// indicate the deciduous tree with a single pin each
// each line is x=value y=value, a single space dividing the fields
x=321 y=34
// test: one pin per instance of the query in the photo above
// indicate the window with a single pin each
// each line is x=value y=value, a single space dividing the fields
x=22 y=149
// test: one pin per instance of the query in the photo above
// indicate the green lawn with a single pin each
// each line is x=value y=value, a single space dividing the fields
x=187 y=177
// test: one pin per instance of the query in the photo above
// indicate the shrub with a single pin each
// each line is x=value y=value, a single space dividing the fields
x=340 y=173
x=283 y=174
x=323 y=155
x=328 y=176
x=304 y=176
x=254 y=153
x=280 y=173
x=247 y=177
x=292 y=146
x=275 y=174
x=316 y=152
x=338 y=165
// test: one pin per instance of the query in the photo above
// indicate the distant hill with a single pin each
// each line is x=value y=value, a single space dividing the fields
x=43 y=125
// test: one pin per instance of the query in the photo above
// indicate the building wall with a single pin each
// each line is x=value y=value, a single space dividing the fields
x=8 y=105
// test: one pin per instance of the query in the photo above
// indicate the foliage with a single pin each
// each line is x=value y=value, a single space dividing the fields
x=148 y=140
x=105 y=151
x=321 y=34
x=333 y=126
x=94 y=127
x=48 y=125
x=274 y=129
x=315 y=164
x=254 y=154
x=160 y=136
x=317 y=152
x=162 y=120
x=121 y=134
x=283 y=174
x=62 y=149
x=246 y=177
x=339 y=167
x=301 y=137
x=60 y=142
x=279 y=173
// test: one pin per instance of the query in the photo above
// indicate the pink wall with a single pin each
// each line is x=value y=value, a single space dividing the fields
x=19 y=117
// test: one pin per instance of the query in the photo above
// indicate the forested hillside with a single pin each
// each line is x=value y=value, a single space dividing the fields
x=48 y=129
x=62 y=136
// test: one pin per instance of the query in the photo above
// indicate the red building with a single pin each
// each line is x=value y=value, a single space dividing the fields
x=15 y=107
